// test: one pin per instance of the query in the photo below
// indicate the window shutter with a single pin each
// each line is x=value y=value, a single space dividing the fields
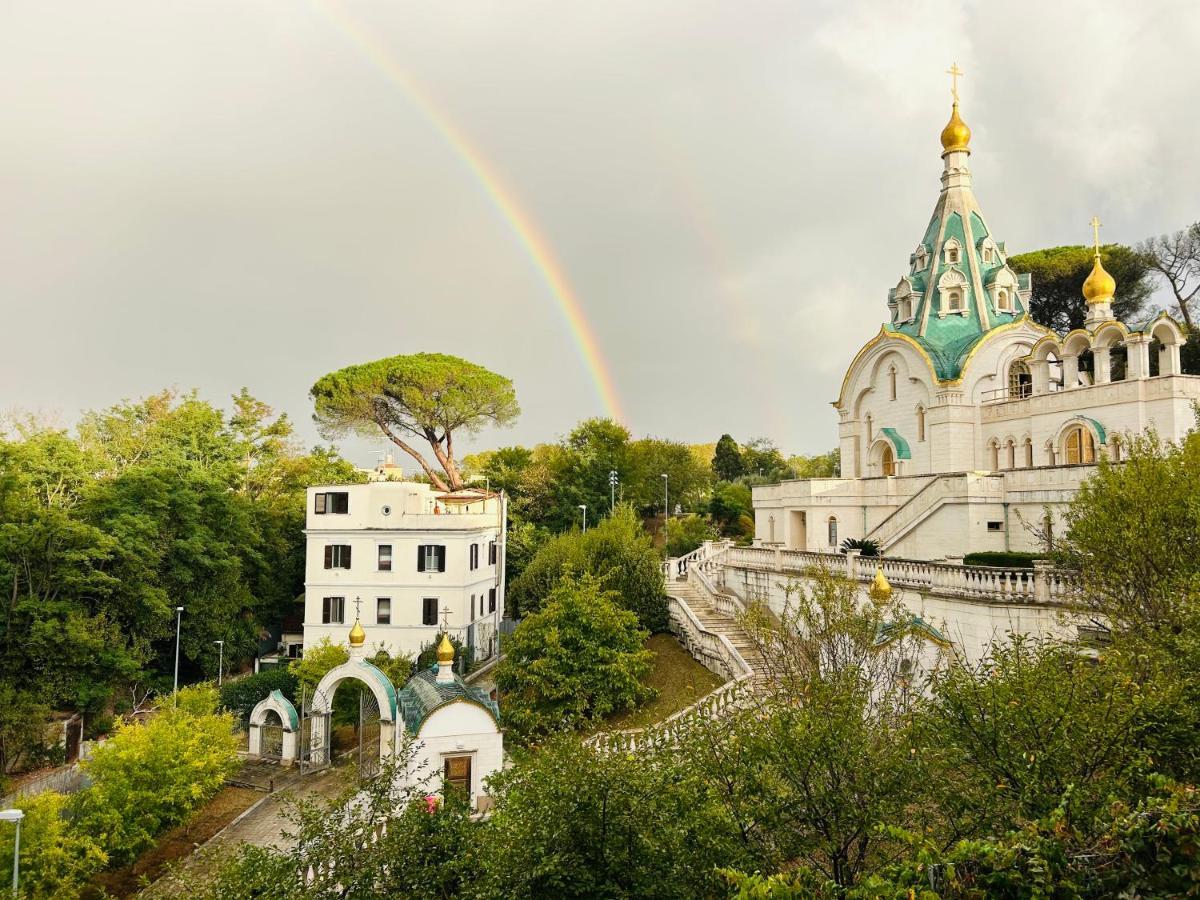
x=421 y=559
x=328 y=555
x=441 y=558
x=319 y=504
x=346 y=561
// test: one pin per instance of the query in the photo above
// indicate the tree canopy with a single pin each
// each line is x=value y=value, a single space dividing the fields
x=1058 y=274
x=431 y=397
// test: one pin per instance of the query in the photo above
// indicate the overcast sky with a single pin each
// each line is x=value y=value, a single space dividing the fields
x=214 y=194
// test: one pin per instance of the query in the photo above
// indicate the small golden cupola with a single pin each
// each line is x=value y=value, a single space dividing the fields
x=445 y=652
x=358 y=636
x=880 y=591
x=956 y=136
x=1099 y=286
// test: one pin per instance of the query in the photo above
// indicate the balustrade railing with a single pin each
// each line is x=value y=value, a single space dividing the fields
x=1040 y=585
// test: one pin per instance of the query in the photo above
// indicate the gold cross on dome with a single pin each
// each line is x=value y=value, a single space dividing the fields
x=1095 y=223
x=357 y=607
x=954 y=71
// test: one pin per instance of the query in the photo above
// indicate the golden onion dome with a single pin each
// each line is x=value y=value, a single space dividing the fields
x=445 y=652
x=880 y=591
x=358 y=635
x=1099 y=286
x=956 y=135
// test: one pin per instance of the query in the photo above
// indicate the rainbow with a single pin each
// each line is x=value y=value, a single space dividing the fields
x=505 y=202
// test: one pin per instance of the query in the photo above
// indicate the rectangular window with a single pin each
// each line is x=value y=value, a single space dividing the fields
x=474 y=556
x=333 y=611
x=491 y=553
x=458 y=774
x=492 y=600
x=833 y=542
x=383 y=611
x=431 y=558
x=331 y=502
x=995 y=526
x=429 y=611
x=473 y=607
x=295 y=651
x=337 y=556
x=385 y=557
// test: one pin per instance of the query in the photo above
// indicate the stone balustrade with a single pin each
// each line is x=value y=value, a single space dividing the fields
x=1041 y=585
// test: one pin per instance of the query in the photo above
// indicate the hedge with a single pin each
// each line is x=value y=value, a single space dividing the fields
x=1010 y=559
x=241 y=695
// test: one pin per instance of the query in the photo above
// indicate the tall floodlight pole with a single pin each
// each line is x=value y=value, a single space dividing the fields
x=583 y=509
x=612 y=491
x=220 y=660
x=666 y=508
x=15 y=816
x=178 y=621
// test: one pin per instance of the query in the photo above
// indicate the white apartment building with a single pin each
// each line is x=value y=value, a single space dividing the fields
x=408 y=561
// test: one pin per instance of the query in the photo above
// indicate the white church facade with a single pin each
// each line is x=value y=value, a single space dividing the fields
x=963 y=424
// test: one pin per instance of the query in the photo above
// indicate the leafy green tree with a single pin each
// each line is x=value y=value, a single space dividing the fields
x=240 y=695
x=689 y=481
x=617 y=551
x=823 y=465
x=522 y=543
x=427 y=396
x=763 y=461
x=686 y=534
x=577 y=659
x=573 y=822
x=148 y=777
x=727 y=462
x=731 y=503
x=1058 y=274
x=316 y=663
x=1176 y=259
x=1131 y=533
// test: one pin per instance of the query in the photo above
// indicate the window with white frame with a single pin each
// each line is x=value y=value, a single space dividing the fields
x=383 y=611
x=385 y=557
x=337 y=556
x=333 y=610
x=431 y=558
x=833 y=531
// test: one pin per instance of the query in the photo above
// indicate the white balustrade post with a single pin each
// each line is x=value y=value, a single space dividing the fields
x=1041 y=581
x=852 y=563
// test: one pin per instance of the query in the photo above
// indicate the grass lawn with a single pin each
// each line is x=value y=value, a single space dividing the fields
x=679 y=680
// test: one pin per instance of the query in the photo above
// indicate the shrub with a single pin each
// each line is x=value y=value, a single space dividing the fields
x=57 y=859
x=464 y=656
x=686 y=534
x=579 y=658
x=240 y=696
x=148 y=777
x=316 y=663
x=1003 y=559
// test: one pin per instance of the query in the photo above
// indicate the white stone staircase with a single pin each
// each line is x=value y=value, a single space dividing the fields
x=952 y=487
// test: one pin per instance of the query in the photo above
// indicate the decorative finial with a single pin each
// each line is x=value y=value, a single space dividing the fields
x=445 y=651
x=1099 y=286
x=880 y=591
x=956 y=136
x=358 y=635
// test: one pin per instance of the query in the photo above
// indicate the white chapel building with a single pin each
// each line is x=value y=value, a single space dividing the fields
x=408 y=561
x=963 y=421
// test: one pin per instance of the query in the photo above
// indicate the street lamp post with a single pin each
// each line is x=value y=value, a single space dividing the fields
x=583 y=509
x=612 y=491
x=178 y=622
x=666 y=508
x=220 y=660
x=15 y=816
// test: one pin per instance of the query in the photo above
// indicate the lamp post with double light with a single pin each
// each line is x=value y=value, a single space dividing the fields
x=583 y=509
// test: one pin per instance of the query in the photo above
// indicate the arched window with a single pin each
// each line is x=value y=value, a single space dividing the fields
x=1020 y=380
x=1079 y=446
x=892 y=381
x=1114 y=446
x=1028 y=453
x=955 y=301
x=870 y=436
x=1012 y=454
x=1002 y=301
x=833 y=537
x=771 y=529
x=1050 y=453
x=887 y=461
x=994 y=447
x=987 y=253
x=920 y=423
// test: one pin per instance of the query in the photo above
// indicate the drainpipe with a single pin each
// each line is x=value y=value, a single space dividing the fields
x=1007 y=548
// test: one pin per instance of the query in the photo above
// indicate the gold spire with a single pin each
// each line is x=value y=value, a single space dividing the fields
x=880 y=591
x=445 y=652
x=357 y=635
x=956 y=136
x=1099 y=286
